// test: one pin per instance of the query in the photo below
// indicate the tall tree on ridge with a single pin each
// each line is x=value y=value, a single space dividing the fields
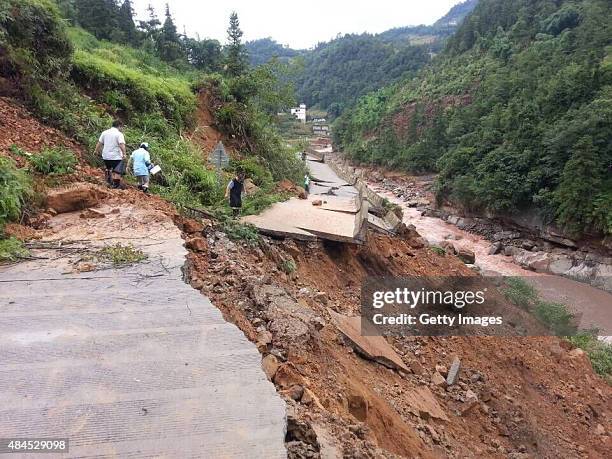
x=98 y=17
x=126 y=24
x=169 y=44
x=236 y=60
x=150 y=29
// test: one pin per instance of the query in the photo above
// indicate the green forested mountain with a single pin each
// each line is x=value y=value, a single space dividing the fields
x=444 y=26
x=264 y=49
x=515 y=114
x=335 y=74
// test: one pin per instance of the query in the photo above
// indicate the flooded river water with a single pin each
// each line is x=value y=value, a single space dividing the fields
x=593 y=305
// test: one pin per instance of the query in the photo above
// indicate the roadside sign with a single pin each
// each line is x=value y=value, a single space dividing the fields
x=219 y=157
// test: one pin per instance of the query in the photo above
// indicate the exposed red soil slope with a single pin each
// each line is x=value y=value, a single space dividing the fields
x=537 y=397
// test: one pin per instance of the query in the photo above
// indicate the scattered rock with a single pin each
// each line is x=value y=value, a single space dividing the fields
x=448 y=247
x=192 y=226
x=270 y=366
x=467 y=256
x=442 y=370
x=295 y=392
x=92 y=213
x=301 y=431
x=527 y=244
x=453 y=372
x=416 y=367
x=321 y=297
x=359 y=430
x=317 y=202
x=264 y=338
x=495 y=248
x=358 y=406
x=197 y=283
x=197 y=243
x=309 y=398
x=433 y=434
x=600 y=430
x=438 y=380
x=286 y=376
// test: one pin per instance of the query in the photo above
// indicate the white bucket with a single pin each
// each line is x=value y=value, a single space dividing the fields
x=155 y=169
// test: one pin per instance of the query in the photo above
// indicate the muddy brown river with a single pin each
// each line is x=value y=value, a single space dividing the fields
x=594 y=306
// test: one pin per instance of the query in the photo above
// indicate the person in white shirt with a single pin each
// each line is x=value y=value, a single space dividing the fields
x=112 y=146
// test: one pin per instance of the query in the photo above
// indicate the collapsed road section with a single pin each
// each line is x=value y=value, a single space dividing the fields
x=334 y=210
x=127 y=360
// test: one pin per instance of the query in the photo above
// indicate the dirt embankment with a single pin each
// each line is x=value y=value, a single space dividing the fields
x=514 y=397
x=206 y=134
x=530 y=397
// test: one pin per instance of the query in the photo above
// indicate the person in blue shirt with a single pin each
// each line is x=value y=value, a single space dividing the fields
x=141 y=161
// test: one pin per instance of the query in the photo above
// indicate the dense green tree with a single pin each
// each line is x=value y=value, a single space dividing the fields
x=169 y=46
x=515 y=115
x=263 y=50
x=203 y=54
x=580 y=183
x=150 y=29
x=68 y=9
x=236 y=57
x=100 y=17
x=125 y=22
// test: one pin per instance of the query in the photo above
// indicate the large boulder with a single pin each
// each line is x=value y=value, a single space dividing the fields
x=466 y=256
x=78 y=196
x=535 y=261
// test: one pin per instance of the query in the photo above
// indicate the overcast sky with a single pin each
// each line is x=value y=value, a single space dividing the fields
x=297 y=24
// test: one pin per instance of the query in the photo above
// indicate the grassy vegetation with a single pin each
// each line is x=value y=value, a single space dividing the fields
x=12 y=249
x=560 y=321
x=240 y=232
x=599 y=352
x=287 y=266
x=15 y=190
x=438 y=250
x=54 y=161
x=520 y=292
x=122 y=255
x=555 y=316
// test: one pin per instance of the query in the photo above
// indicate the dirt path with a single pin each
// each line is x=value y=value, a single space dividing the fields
x=131 y=361
x=592 y=304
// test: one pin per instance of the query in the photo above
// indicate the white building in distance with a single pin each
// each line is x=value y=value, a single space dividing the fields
x=300 y=112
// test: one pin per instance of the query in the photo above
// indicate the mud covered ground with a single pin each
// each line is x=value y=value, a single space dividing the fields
x=519 y=398
x=528 y=397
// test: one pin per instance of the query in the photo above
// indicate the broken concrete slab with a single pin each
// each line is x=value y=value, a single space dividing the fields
x=299 y=219
x=453 y=372
x=374 y=348
x=422 y=400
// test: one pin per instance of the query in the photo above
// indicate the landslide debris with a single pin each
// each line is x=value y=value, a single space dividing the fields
x=452 y=397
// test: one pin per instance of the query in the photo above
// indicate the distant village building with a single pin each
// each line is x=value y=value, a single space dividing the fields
x=300 y=112
x=320 y=129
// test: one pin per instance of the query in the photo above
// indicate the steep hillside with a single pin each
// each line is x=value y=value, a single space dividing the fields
x=515 y=115
x=74 y=82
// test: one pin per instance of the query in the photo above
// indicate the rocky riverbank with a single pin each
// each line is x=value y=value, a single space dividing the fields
x=537 y=248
